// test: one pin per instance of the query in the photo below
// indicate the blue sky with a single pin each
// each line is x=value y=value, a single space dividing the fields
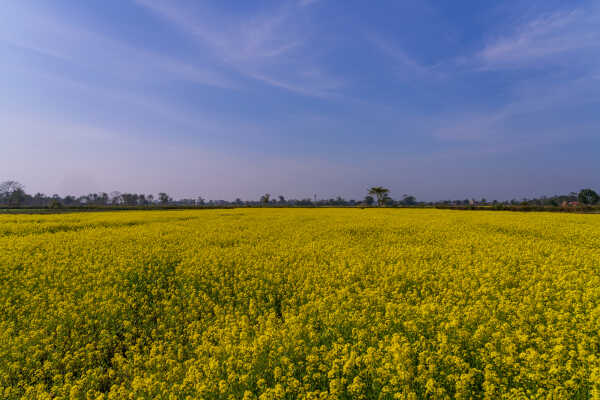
x=225 y=99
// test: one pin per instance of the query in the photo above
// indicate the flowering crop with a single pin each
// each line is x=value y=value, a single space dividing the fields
x=300 y=303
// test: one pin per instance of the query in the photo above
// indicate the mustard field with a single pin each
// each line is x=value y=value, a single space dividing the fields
x=300 y=303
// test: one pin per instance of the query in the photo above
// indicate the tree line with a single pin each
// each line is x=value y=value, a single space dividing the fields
x=13 y=194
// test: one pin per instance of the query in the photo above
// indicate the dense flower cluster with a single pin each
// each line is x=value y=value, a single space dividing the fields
x=303 y=303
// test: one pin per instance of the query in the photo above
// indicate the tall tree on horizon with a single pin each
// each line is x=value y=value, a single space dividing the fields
x=381 y=193
x=12 y=192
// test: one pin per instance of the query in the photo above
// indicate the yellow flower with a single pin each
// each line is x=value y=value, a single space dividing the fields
x=299 y=303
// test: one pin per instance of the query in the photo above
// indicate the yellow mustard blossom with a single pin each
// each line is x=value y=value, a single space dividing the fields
x=300 y=304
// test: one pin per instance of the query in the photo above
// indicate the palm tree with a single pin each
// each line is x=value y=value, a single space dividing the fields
x=381 y=193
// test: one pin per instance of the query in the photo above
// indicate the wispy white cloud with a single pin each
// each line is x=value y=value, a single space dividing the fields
x=53 y=36
x=326 y=89
x=408 y=65
x=528 y=99
x=540 y=41
x=272 y=47
x=142 y=115
x=565 y=44
x=544 y=38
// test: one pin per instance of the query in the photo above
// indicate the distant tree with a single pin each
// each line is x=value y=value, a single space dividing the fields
x=409 y=200
x=200 y=201
x=588 y=196
x=265 y=198
x=339 y=201
x=8 y=187
x=69 y=200
x=281 y=199
x=130 y=199
x=39 y=199
x=17 y=197
x=103 y=199
x=93 y=198
x=304 y=202
x=115 y=197
x=12 y=193
x=381 y=193
x=369 y=200
x=164 y=198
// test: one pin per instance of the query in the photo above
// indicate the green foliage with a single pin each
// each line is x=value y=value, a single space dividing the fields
x=12 y=193
x=588 y=196
x=164 y=198
x=265 y=198
x=381 y=193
